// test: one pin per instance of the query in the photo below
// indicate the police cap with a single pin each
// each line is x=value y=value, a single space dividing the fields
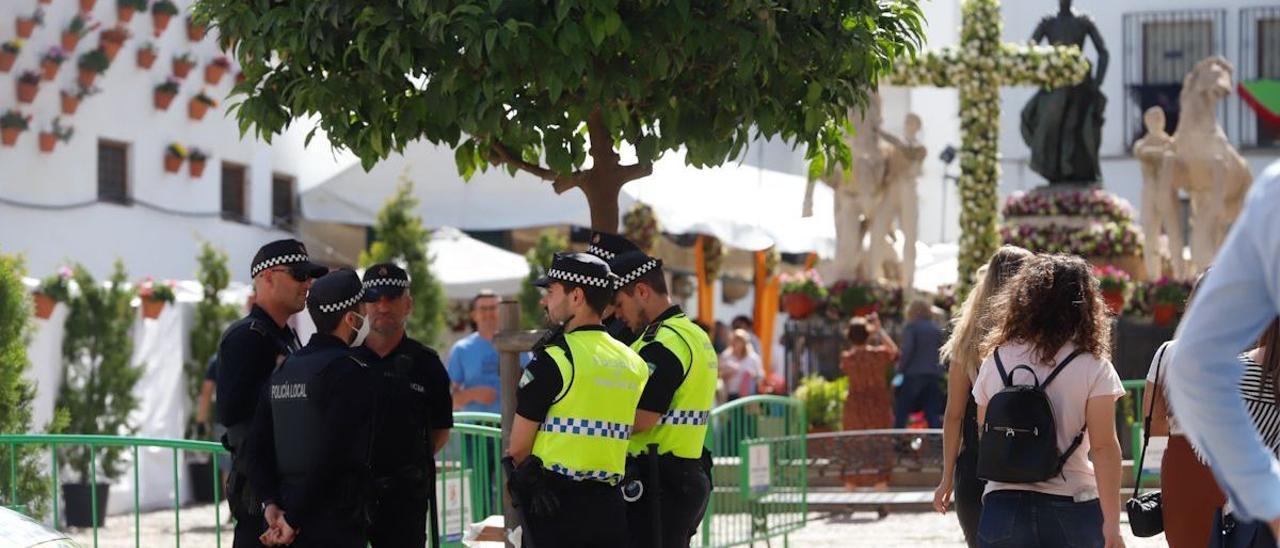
x=578 y=268
x=335 y=292
x=385 y=280
x=290 y=253
x=607 y=246
x=630 y=266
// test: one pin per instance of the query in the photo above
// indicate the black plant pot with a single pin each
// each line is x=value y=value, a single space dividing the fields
x=201 y=475
x=79 y=507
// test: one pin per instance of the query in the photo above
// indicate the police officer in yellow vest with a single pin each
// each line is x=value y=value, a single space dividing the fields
x=575 y=407
x=673 y=411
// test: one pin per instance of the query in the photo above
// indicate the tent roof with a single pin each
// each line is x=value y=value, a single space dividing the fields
x=466 y=265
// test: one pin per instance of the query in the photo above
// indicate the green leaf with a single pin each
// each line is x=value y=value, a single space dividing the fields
x=562 y=9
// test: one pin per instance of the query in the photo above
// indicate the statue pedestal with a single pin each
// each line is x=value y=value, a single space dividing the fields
x=1076 y=219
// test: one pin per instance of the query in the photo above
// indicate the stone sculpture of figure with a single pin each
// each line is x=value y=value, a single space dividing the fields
x=858 y=195
x=1203 y=161
x=1063 y=126
x=1159 y=198
x=901 y=202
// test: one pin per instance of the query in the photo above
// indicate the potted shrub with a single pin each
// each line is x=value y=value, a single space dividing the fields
x=147 y=55
x=182 y=65
x=9 y=53
x=197 y=159
x=855 y=298
x=1115 y=284
x=80 y=25
x=92 y=64
x=174 y=155
x=154 y=297
x=56 y=132
x=801 y=293
x=86 y=6
x=126 y=8
x=199 y=105
x=214 y=70
x=28 y=84
x=1167 y=295
x=27 y=24
x=164 y=93
x=71 y=98
x=161 y=12
x=52 y=290
x=824 y=409
x=195 y=31
x=97 y=391
x=12 y=123
x=51 y=61
x=112 y=39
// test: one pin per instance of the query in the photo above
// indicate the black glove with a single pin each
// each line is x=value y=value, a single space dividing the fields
x=529 y=487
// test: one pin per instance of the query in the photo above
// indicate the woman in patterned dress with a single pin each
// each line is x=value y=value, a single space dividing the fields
x=869 y=403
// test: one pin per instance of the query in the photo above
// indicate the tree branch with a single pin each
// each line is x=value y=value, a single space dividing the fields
x=635 y=171
x=560 y=183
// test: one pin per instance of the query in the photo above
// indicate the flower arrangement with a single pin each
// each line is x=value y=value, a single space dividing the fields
x=55 y=55
x=203 y=97
x=159 y=292
x=854 y=297
x=1097 y=240
x=1112 y=279
x=81 y=25
x=164 y=7
x=1169 y=291
x=27 y=24
x=807 y=282
x=168 y=86
x=182 y=64
x=57 y=132
x=197 y=155
x=176 y=150
x=640 y=225
x=1095 y=203
x=29 y=77
x=95 y=61
x=57 y=286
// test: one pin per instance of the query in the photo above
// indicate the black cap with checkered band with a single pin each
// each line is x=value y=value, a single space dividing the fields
x=578 y=268
x=385 y=280
x=630 y=266
x=290 y=253
x=336 y=291
x=608 y=246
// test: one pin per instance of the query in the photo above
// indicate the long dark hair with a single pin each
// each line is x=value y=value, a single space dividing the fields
x=1270 y=359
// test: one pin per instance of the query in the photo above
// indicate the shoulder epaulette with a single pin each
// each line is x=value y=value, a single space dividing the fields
x=651 y=332
x=359 y=362
x=256 y=326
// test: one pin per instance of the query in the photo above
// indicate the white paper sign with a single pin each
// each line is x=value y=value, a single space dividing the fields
x=760 y=468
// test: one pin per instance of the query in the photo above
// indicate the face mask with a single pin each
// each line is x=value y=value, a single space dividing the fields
x=362 y=331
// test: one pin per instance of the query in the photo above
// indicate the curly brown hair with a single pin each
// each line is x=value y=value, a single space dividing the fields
x=1053 y=300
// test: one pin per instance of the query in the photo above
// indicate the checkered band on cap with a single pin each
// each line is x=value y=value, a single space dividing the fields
x=636 y=274
x=331 y=308
x=601 y=252
x=386 y=282
x=580 y=279
x=277 y=261
x=585 y=427
x=685 y=417
x=580 y=475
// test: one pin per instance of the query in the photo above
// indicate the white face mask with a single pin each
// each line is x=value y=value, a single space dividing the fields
x=362 y=331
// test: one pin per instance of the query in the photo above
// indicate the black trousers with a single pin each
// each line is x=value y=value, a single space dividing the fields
x=248 y=529
x=681 y=505
x=592 y=514
x=968 y=488
x=399 y=521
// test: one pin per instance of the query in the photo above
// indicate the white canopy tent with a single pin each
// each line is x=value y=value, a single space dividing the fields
x=466 y=265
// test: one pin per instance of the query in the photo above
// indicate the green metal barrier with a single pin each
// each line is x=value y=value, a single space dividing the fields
x=1136 y=390
x=477 y=417
x=468 y=478
x=738 y=514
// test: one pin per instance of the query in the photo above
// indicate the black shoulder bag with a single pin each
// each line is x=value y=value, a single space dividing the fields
x=1146 y=517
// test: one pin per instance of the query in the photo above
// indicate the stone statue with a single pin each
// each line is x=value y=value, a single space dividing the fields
x=901 y=202
x=1063 y=126
x=1204 y=163
x=858 y=195
x=1159 y=198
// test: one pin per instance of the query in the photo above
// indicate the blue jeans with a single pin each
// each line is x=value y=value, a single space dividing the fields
x=1026 y=519
x=918 y=392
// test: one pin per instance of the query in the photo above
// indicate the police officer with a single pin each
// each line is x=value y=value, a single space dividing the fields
x=311 y=438
x=574 y=411
x=249 y=350
x=607 y=246
x=415 y=412
x=673 y=411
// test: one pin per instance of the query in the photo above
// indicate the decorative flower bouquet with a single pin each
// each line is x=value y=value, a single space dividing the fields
x=1115 y=283
x=1168 y=298
x=856 y=298
x=1094 y=203
x=1099 y=240
x=53 y=289
x=161 y=292
x=807 y=282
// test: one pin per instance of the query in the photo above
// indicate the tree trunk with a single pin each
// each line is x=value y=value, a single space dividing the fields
x=602 y=190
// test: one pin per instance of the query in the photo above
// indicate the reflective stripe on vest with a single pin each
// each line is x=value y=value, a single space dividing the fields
x=585 y=433
x=682 y=430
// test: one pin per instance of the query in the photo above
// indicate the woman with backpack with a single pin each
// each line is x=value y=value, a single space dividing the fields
x=1046 y=412
x=960 y=421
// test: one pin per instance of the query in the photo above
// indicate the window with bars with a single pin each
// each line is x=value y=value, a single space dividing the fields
x=1259 y=60
x=234 y=191
x=113 y=172
x=1160 y=48
x=282 y=201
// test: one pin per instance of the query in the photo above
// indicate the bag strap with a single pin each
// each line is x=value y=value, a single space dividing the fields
x=1004 y=375
x=1146 y=423
x=1059 y=368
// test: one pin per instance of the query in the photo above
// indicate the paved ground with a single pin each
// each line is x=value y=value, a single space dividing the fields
x=858 y=530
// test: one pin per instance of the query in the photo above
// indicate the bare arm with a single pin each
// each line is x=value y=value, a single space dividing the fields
x=958 y=388
x=438 y=439
x=1104 y=450
x=645 y=420
x=1159 y=413
x=523 y=432
x=204 y=402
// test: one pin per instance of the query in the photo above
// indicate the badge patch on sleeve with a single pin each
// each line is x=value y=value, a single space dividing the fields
x=526 y=378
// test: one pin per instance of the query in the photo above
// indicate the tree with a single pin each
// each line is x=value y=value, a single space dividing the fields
x=539 y=258
x=541 y=86
x=211 y=318
x=400 y=236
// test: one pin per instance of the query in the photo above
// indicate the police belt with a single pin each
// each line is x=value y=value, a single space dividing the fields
x=408 y=478
x=234 y=441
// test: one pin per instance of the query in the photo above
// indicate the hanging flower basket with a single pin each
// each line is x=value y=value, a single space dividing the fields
x=200 y=105
x=26 y=26
x=798 y=305
x=182 y=66
x=146 y=56
x=161 y=13
x=70 y=102
x=174 y=155
x=44 y=305
x=164 y=94
x=47 y=141
x=197 y=162
x=214 y=71
x=195 y=31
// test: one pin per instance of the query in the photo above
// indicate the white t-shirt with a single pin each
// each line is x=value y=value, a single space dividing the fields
x=746 y=371
x=1161 y=359
x=1085 y=378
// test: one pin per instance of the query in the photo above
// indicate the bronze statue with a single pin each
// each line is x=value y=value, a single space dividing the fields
x=1063 y=126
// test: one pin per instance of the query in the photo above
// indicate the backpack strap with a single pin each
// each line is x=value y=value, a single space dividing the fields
x=1060 y=367
x=1075 y=443
x=1007 y=377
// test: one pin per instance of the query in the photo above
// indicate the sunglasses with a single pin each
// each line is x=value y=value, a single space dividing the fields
x=298 y=274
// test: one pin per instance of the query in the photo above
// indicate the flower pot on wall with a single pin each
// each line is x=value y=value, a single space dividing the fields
x=86 y=6
x=151 y=308
x=26 y=26
x=49 y=69
x=9 y=136
x=798 y=305
x=111 y=48
x=182 y=68
x=6 y=60
x=69 y=41
x=213 y=74
x=196 y=168
x=44 y=306
x=163 y=99
x=195 y=32
x=86 y=77
x=172 y=163
x=47 y=142
x=124 y=14
x=160 y=21
x=146 y=58
x=196 y=109
x=70 y=103
x=27 y=91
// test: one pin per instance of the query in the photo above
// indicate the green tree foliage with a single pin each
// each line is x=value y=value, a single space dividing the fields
x=400 y=236
x=539 y=86
x=539 y=257
x=97 y=376
x=211 y=318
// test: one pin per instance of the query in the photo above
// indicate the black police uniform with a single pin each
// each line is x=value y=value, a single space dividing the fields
x=412 y=391
x=310 y=443
x=608 y=246
x=249 y=350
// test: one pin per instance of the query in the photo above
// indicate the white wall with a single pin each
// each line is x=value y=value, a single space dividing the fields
x=151 y=243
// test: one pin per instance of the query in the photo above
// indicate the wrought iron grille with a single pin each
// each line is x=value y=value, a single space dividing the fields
x=1259 y=58
x=1160 y=48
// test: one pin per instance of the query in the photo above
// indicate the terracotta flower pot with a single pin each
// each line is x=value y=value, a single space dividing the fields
x=87 y=5
x=49 y=69
x=172 y=163
x=124 y=14
x=798 y=305
x=160 y=21
x=162 y=99
x=9 y=136
x=1163 y=314
x=111 y=48
x=864 y=310
x=44 y=306
x=26 y=26
x=151 y=308
x=196 y=109
x=70 y=103
x=86 y=77
x=69 y=41
x=47 y=141
x=1114 y=300
x=213 y=74
x=182 y=68
x=240 y=77
x=46 y=2
x=6 y=60
x=27 y=92
x=196 y=168
x=195 y=32
x=146 y=58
